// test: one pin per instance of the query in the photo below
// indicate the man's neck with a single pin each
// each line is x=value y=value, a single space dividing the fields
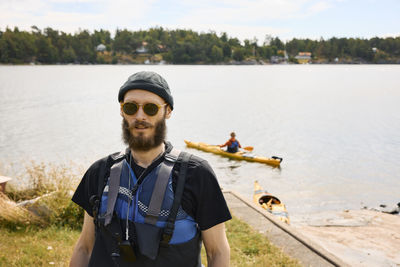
x=145 y=158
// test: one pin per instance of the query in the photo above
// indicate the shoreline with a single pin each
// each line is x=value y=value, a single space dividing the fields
x=339 y=238
x=201 y=64
x=358 y=237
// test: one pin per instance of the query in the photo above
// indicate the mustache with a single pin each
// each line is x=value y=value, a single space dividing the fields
x=138 y=124
x=140 y=142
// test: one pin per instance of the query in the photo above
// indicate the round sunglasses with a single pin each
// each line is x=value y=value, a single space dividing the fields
x=151 y=109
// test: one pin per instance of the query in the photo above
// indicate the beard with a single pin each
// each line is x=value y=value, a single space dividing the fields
x=140 y=142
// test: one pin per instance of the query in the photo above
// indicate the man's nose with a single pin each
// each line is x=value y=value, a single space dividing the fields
x=140 y=114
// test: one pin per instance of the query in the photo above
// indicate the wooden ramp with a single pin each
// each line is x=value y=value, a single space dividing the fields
x=280 y=234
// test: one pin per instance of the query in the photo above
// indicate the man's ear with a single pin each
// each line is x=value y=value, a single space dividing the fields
x=121 y=112
x=168 y=112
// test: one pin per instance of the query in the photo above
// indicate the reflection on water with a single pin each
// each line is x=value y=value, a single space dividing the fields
x=336 y=127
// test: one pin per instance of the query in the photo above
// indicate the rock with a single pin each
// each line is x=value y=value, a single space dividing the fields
x=33 y=205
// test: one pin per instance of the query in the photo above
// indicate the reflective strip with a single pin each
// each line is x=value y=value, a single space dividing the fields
x=157 y=196
x=163 y=213
x=123 y=191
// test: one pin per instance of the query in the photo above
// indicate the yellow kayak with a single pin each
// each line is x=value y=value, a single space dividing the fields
x=241 y=155
x=271 y=203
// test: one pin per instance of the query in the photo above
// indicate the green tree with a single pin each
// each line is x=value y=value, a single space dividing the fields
x=125 y=42
x=68 y=55
x=227 y=50
x=84 y=48
x=217 y=54
x=238 y=54
x=277 y=43
x=265 y=52
x=46 y=52
x=16 y=46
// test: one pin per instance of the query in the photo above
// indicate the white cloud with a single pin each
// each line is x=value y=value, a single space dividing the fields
x=247 y=11
x=319 y=7
x=247 y=19
x=71 y=1
x=244 y=19
x=240 y=32
x=99 y=14
x=128 y=13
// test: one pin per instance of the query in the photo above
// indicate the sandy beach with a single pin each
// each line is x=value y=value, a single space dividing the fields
x=357 y=237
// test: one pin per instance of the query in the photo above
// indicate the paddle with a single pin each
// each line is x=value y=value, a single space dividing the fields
x=247 y=148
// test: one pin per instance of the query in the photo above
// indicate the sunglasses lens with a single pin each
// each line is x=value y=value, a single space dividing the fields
x=150 y=109
x=130 y=108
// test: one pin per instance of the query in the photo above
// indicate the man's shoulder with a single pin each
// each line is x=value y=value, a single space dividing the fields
x=106 y=161
x=198 y=166
x=196 y=161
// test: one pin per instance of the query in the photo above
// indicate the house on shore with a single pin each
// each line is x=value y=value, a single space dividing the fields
x=142 y=49
x=303 y=57
x=100 y=48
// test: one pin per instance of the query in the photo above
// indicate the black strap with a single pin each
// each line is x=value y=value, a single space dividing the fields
x=170 y=225
x=102 y=181
x=102 y=173
x=158 y=193
x=115 y=174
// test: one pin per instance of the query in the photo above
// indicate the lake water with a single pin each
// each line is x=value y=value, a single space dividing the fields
x=336 y=127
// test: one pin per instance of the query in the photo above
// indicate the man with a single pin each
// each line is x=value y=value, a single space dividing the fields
x=151 y=205
x=232 y=144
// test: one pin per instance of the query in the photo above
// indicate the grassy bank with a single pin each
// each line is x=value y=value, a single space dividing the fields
x=53 y=246
x=43 y=232
x=37 y=247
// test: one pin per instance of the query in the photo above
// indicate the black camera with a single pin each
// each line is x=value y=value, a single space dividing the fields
x=126 y=251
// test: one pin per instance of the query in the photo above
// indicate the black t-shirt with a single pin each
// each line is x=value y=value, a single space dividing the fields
x=202 y=197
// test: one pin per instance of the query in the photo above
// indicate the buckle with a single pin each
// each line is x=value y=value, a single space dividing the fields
x=165 y=239
x=170 y=157
x=118 y=156
x=169 y=227
x=167 y=233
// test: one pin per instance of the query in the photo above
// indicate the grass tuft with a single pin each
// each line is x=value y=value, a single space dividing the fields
x=15 y=217
x=41 y=198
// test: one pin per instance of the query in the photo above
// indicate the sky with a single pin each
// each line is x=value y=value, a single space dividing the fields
x=243 y=19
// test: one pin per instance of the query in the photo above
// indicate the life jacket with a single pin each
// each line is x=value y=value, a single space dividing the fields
x=158 y=231
x=233 y=147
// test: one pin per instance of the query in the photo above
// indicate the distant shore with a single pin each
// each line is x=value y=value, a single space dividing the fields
x=233 y=63
x=178 y=46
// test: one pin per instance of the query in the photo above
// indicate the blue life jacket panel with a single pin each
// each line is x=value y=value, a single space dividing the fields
x=233 y=148
x=185 y=226
x=234 y=144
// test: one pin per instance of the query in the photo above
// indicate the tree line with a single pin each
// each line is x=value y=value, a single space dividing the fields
x=50 y=46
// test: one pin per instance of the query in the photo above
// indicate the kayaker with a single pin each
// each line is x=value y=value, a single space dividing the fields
x=150 y=205
x=232 y=144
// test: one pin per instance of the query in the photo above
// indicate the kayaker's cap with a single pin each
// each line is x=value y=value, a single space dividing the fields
x=149 y=81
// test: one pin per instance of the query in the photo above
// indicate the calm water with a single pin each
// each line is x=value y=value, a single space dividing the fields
x=337 y=127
